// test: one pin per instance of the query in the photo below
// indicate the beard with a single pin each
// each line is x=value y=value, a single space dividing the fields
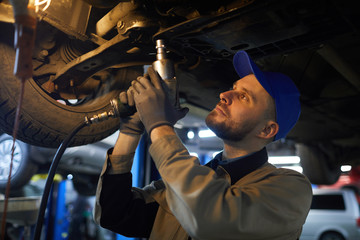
x=228 y=129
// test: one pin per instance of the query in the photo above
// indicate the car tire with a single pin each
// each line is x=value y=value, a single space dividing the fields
x=331 y=236
x=23 y=168
x=46 y=122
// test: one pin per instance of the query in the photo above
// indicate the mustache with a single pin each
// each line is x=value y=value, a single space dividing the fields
x=222 y=108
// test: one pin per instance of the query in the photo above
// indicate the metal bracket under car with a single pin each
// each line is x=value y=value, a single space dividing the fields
x=119 y=50
x=132 y=45
x=129 y=47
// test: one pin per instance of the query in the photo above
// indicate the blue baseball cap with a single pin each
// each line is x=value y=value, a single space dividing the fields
x=279 y=86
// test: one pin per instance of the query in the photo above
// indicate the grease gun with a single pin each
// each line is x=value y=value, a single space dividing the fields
x=165 y=68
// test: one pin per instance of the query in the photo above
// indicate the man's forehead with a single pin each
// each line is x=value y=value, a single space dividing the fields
x=251 y=83
x=249 y=80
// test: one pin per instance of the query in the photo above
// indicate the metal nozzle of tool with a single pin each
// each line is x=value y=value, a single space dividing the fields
x=165 y=68
x=99 y=117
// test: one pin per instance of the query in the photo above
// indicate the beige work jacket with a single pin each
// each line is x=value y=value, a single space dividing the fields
x=268 y=203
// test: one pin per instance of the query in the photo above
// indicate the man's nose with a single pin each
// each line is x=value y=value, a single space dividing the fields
x=225 y=97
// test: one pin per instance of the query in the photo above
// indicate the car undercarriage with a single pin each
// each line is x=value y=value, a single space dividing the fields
x=81 y=63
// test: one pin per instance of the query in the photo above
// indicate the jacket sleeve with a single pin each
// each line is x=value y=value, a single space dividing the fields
x=208 y=207
x=119 y=207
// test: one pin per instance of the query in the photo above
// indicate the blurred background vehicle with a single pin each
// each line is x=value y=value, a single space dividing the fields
x=83 y=163
x=334 y=215
x=347 y=180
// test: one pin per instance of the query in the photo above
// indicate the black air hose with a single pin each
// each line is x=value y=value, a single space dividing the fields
x=50 y=179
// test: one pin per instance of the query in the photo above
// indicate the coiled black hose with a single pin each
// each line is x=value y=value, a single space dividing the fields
x=50 y=179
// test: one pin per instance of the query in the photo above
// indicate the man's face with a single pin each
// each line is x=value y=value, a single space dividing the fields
x=241 y=111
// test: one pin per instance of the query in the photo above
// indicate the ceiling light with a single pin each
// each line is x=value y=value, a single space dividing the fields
x=284 y=159
x=206 y=133
x=190 y=134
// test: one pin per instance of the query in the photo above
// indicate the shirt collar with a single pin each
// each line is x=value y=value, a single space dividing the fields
x=240 y=166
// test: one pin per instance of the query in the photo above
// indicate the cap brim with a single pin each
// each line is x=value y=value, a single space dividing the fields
x=245 y=66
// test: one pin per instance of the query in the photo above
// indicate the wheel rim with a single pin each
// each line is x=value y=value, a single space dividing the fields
x=5 y=152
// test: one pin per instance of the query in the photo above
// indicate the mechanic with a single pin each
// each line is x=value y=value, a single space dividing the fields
x=237 y=195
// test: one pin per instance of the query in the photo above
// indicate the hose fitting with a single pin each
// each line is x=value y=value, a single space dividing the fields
x=99 y=117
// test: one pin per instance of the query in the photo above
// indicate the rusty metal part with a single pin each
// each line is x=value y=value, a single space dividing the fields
x=6 y=13
x=102 y=3
x=128 y=46
x=197 y=24
x=136 y=21
x=113 y=52
x=74 y=48
x=97 y=39
x=69 y=16
x=118 y=50
x=111 y=19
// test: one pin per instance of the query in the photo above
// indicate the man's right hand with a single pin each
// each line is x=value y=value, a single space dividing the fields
x=152 y=102
x=130 y=124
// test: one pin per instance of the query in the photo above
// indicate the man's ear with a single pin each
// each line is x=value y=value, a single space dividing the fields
x=270 y=130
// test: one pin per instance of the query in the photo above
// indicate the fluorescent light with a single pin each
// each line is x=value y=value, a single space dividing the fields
x=284 y=159
x=295 y=168
x=178 y=126
x=345 y=168
x=206 y=133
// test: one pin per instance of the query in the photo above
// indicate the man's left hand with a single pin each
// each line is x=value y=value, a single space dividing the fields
x=152 y=102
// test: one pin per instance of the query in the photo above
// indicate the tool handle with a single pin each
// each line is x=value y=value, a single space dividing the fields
x=166 y=70
x=121 y=109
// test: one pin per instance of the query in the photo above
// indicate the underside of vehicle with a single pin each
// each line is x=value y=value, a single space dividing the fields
x=86 y=52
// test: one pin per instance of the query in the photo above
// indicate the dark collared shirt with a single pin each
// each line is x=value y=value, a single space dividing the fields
x=240 y=166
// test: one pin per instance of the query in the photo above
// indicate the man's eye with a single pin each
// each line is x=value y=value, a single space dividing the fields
x=243 y=96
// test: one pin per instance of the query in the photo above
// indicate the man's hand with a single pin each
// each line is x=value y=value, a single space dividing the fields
x=152 y=102
x=130 y=124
